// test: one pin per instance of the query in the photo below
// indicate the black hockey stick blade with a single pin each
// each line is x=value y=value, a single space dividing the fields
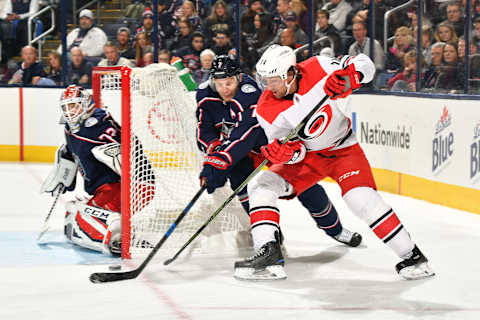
x=101 y=277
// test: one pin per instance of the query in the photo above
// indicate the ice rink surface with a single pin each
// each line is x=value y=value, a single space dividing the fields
x=325 y=280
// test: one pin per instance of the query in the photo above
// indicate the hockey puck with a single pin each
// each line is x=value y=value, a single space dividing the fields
x=115 y=267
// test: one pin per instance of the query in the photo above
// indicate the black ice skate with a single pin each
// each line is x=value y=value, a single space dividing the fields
x=415 y=267
x=266 y=264
x=351 y=239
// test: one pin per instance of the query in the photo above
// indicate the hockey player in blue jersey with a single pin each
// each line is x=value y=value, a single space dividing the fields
x=93 y=148
x=230 y=136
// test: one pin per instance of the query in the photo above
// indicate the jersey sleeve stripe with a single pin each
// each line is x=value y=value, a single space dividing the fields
x=199 y=133
x=84 y=139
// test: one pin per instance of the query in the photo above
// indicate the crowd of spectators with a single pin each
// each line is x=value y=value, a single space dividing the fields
x=195 y=31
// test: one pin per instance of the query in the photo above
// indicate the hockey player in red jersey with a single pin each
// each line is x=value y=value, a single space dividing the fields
x=93 y=148
x=325 y=147
x=230 y=136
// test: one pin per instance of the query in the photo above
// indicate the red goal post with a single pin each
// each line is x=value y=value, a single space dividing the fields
x=161 y=162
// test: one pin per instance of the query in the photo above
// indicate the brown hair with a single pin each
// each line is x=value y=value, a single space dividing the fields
x=454 y=38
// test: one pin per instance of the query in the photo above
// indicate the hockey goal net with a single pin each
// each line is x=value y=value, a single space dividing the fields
x=161 y=163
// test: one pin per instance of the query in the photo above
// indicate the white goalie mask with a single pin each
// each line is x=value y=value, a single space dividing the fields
x=76 y=105
x=276 y=61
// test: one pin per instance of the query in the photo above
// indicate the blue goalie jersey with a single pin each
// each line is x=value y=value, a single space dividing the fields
x=98 y=129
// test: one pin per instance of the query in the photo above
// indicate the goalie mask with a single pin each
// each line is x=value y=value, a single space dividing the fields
x=276 y=61
x=77 y=105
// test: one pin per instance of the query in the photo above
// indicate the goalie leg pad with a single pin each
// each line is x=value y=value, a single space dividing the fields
x=91 y=227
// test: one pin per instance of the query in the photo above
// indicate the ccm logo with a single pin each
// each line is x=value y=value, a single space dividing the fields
x=347 y=175
x=96 y=213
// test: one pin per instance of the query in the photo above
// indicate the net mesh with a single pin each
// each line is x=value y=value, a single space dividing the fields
x=165 y=165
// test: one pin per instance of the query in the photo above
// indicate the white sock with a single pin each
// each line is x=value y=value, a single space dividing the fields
x=263 y=234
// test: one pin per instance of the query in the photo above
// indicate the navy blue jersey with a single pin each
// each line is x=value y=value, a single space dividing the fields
x=99 y=129
x=234 y=123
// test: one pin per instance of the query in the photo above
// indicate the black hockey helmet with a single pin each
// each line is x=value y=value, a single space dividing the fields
x=224 y=66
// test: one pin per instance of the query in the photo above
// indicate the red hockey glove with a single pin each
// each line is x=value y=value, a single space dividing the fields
x=289 y=153
x=341 y=83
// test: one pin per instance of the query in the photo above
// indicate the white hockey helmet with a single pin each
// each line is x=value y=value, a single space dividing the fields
x=76 y=105
x=276 y=61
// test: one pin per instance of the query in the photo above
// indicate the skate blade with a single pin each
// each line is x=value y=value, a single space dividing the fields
x=269 y=273
x=420 y=271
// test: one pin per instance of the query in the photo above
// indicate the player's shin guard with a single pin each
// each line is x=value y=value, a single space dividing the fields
x=264 y=190
x=367 y=204
x=243 y=198
x=384 y=222
x=321 y=209
x=326 y=217
x=264 y=223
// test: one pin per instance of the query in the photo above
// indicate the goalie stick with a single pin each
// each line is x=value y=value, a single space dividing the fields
x=46 y=225
x=100 y=277
x=290 y=135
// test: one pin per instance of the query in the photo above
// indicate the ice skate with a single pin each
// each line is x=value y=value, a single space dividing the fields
x=266 y=264
x=115 y=245
x=415 y=267
x=351 y=239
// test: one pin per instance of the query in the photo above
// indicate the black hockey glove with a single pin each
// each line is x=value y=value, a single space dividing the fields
x=214 y=173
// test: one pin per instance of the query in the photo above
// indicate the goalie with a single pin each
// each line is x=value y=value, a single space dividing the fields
x=92 y=148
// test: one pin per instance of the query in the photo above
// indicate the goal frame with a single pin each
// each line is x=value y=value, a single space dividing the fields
x=125 y=94
x=226 y=234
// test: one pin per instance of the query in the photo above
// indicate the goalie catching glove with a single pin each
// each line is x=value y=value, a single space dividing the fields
x=110 y=155
x=341 y=83
x=62 y=175
x=288 y=153
x=214 y=172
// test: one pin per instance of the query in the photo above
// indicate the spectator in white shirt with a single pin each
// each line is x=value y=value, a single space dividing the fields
x=88 y=37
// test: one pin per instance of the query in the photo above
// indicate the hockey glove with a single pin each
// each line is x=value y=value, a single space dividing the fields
x=341 y=83
x=62 y=174
x=288 y=153
x=214 y=173
x=110 y=155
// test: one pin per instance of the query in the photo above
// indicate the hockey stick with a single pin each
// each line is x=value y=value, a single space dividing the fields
x=46 y=225
x=291 y=134
x=99 y=277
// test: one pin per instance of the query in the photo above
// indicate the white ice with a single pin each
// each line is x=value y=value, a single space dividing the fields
x=325 y=280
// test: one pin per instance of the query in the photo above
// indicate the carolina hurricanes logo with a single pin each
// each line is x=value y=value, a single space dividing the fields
x=317 y=124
